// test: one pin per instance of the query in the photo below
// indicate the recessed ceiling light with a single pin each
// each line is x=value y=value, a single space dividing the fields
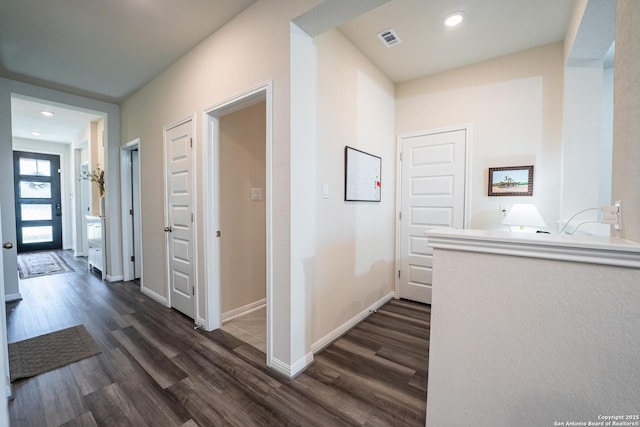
x=454 y=19
x=47 y=113
x=36 y=133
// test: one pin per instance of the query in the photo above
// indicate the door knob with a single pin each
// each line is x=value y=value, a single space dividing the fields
x=168 y=229
x=7 y=245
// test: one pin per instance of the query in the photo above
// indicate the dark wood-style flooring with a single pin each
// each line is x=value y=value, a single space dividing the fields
x=156 y=370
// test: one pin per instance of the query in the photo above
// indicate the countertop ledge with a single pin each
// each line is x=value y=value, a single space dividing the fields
x=588 y=249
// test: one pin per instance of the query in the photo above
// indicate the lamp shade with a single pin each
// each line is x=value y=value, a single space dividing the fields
x=524 y=215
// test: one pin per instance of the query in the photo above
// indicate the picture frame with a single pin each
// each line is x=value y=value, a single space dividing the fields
x=362 y=176
x=510 y=181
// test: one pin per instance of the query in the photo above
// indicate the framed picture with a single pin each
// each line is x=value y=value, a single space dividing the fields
x=362 y=174
x=511 y=181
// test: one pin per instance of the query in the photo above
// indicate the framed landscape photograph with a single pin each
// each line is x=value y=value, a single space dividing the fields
x=511 y=181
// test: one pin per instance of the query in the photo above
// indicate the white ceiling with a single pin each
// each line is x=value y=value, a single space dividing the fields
x=107 y=49
x=62 y=127
x=492 y=28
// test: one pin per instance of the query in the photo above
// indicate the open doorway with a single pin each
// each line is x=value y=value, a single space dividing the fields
x=73 y=140
x=243 y=223
x=238 y=261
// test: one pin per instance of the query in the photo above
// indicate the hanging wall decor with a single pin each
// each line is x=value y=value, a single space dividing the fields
x=511 y=181
x=362 y=175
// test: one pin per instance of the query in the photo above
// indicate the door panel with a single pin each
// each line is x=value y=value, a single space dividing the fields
x=37 y=201
x=181 y=257
x=432 y=195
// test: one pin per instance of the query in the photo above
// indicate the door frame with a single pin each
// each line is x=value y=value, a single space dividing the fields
x=468 y=128
x=126 y=194
x=194 y=210
x=4 y=351
x=211 y=197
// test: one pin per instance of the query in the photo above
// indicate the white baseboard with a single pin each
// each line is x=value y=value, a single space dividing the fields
x=245 y=309
x=154 y=296
x=340 y=330
x=12 y=297
x=110 y=278
x=291 y=371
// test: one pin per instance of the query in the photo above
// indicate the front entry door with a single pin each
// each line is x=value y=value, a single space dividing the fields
x=432 y=195
x=38 y=203
x=179 y=229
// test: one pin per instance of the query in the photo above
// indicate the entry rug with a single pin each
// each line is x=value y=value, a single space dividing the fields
x=38 y=264
x=50 y=351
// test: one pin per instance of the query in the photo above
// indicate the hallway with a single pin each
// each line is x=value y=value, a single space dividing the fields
x=156 y=370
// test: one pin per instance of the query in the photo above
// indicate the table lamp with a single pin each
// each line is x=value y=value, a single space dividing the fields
x=524 y=217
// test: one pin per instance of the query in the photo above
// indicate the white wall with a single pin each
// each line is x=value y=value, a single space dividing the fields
x=524 y=341
x=343 y=252
x=606 y=138
x=626 y=128
x=242 y=220
x=249 y=51
x=583 y=165
x=587 y=117
x=67 y=178
x=514 y=104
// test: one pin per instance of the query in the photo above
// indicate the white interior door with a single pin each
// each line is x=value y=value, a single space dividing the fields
x=179 y=229
x=432 y=195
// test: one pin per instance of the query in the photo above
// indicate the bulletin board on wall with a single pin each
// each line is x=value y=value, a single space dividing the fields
x=362 y=174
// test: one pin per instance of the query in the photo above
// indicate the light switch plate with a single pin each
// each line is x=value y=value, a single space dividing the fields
x=256 y=194
x=325 y=191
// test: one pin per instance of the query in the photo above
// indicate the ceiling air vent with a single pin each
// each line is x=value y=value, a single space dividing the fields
x=389 y=38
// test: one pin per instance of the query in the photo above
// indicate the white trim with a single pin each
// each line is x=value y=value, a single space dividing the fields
x=115 y=278
x=245 y=309
x=125 y=193
x=194 y=209
x=210 y=197
x=397 y=263
x=13 y=297
x=131 y=145
x=468 y=128
x=587 y=249
x=291 y=371
x=323 y=342
x=155 y=296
